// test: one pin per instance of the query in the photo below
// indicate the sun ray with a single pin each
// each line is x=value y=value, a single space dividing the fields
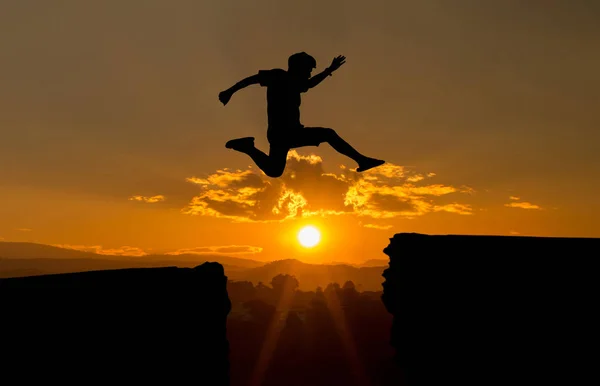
x=271 y=338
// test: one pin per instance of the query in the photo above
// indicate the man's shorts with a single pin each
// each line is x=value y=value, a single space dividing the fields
x=298 y=136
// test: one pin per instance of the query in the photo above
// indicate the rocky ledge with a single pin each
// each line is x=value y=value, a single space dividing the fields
x=492 y=309
x=157 y=325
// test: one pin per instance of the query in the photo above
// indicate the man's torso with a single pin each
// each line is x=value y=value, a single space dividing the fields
x=283 y=99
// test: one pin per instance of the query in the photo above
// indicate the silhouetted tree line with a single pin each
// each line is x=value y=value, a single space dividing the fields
x=279 y=335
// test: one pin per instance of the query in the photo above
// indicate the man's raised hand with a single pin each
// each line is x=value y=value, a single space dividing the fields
x=337 y=62
x=225 y=96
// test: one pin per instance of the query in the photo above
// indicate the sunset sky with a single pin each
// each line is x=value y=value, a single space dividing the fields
x=112 y=135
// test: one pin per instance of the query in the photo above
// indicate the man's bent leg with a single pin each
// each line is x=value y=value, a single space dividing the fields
x=277 y=161
x=272 y=165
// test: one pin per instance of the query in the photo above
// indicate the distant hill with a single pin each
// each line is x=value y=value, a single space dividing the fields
x=17 y=250
x=29 y=259
x=374 y=263
x=312 y=276
x=44 y=266
x=194 y=257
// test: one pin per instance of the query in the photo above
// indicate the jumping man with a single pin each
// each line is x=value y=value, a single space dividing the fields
x=285 y=132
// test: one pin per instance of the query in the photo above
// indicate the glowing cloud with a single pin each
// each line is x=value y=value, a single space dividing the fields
x=227 y=249
x=305 y=190
x=375 y=226
x=135 y=251
x=98 y=249
x=149 y=200
x=521 y=204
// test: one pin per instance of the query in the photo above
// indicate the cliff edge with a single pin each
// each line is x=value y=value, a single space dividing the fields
x=158 y=325
x=492 y=309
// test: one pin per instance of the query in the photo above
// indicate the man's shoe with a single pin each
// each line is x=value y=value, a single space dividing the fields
x=369 y=163
x=240 y=144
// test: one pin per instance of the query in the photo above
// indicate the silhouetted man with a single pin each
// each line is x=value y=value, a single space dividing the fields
x=285 y=131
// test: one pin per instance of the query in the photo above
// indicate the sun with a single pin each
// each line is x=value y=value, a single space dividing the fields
x=309 y=236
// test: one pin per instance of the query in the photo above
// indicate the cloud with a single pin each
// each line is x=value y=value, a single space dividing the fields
x=227 y=249
x=305 y=190
x=521 y=204
x=149 y=200
x=23 y=229
x=138 y=252
x=1 y=238
x=375 y=226
x=122 y=251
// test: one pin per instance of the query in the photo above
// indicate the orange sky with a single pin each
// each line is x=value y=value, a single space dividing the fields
x=487 y=113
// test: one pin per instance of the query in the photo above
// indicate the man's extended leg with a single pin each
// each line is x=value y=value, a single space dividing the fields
x=313 y=136
x=272 y=165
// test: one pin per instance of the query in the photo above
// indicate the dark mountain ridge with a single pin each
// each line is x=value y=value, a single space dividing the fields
x=31 y=259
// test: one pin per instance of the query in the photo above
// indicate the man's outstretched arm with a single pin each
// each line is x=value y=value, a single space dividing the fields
x=224 y=96
x=335 y=64
x=315 y=80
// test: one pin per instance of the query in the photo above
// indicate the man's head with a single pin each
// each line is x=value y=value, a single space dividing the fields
x=301 y=64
